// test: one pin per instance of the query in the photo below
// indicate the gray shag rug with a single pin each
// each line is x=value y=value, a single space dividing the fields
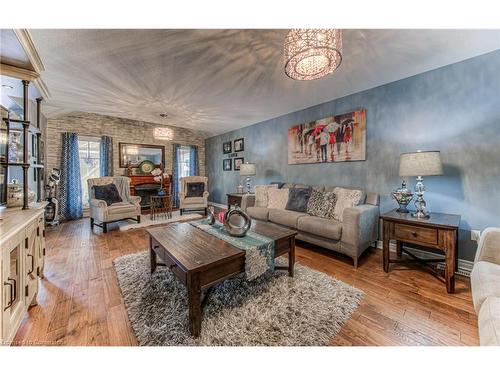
x=308 y=309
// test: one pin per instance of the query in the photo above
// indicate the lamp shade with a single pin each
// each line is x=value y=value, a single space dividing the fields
x=421 y=163
x=247 y=169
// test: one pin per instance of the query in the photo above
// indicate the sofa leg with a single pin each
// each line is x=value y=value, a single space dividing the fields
x=139 y=219
x=105 y=227
x=91 y=223
x=355 y=261
x=180 y=210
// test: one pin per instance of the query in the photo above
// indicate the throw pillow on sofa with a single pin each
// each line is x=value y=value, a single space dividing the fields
x=277 y=198
x=322 y=204
x=261 y=194
x=345 y=198
x=298 y=198
x=108 y=193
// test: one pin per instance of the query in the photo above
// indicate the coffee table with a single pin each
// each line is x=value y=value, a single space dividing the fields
x=200 y=260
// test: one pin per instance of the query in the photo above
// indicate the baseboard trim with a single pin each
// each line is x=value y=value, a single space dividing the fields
x=464 y=266
x=219 y=205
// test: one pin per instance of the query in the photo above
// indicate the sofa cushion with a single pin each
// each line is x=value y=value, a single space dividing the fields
x=195 y=189
x=346 y=198
x=319 y=226
x=259 y=213
x=285 y=217
x=261 y=195
x=194 y=200
x=121 y=208
x=298 y=198
x=321 y=204
x=277 y=198
x=485 y=282
x=108 y=193
x=489 y=322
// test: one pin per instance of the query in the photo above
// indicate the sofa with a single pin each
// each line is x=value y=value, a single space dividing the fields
x=356 y=230
x=485 y=283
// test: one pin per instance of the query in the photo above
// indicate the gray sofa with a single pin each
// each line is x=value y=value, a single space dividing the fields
x=357 y=231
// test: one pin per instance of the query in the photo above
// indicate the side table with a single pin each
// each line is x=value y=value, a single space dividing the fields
x=234 y=198
x=439 y=232
x=161 y=206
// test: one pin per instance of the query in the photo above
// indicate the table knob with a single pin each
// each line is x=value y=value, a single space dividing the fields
x=414 y=234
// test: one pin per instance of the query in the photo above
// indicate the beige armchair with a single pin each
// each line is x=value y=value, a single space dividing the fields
x=129 y=208
x=200 y=199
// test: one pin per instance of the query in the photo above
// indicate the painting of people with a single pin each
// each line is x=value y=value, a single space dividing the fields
x=328 y=140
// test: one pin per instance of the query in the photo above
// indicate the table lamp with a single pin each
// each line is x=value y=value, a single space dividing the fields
x=419 y=164
x=247 y=169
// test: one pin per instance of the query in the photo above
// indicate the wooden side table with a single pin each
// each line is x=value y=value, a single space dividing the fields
x=439 y=232
x=234 y=198
x=161 y=206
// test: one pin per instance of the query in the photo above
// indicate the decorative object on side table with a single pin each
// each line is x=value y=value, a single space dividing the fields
x=420 y=163
x=159 y=176
x=403 y=196
x=247 y=170
x=237 y=222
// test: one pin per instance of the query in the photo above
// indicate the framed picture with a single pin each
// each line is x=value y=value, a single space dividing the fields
x=239 y=144
x=226 y=147
x=134 y=154
x=227 y=165
x=332 y=139
x=237 y=163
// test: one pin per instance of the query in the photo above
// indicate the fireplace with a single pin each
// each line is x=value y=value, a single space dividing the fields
x=144 y=186
x=145 y=191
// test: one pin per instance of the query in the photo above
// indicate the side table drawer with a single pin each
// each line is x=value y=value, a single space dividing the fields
x=413 y=233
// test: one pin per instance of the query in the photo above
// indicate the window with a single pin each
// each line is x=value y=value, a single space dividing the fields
x=89 y=153
x=184 y=159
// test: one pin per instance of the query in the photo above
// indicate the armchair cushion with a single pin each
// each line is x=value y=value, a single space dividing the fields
x=108 y=193
x=195 y=189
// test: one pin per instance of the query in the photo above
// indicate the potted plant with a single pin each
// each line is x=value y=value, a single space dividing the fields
x=159 y=176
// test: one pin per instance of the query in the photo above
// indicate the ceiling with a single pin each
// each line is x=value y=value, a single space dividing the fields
x=12 y=52
x=220 y=80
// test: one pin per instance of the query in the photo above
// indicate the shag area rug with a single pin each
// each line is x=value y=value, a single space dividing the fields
x=274 y=309
x=147 y=222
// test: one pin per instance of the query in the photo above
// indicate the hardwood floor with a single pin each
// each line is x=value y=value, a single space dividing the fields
x=79 y=302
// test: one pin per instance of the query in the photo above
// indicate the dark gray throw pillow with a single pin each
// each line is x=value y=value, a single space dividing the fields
x=298 y=199
x=108 y=193
x=195 y=189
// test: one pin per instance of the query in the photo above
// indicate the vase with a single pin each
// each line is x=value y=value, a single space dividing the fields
x=162 y=192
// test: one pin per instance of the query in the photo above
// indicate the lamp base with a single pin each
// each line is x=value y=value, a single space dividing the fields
x=420 y=204
x=421 y=215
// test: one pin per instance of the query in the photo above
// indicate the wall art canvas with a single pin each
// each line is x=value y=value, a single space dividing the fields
x=239 y=145
x=331 y=139
x=227 y=164
x=226 y=147
x=237 y=163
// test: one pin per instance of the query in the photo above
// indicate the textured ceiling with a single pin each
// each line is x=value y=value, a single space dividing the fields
x=12 y=52
x=219 y=80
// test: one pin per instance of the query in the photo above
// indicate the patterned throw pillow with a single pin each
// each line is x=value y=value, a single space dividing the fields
x=108 y=193
x=261 y=194
x=345 y=198
x=322 y=204
x=277 y=198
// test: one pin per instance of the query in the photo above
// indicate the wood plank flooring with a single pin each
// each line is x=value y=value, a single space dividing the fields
x=79 y=301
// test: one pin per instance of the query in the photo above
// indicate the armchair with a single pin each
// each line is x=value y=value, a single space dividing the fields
x=190 y=196
x=129 y=208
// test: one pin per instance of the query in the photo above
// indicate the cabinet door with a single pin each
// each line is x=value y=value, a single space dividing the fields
x=31 y=247
x=40 y=251
x=12 y=285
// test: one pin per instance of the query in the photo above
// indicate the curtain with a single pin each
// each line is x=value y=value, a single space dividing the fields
x=106 y=159
x=175 y=174
x=70 y=192
x=193 y=161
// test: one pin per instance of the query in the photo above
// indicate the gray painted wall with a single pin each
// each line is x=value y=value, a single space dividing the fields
x=454 y=109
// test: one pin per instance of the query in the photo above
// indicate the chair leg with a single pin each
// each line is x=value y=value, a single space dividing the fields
x=91 y=223
x=180 y=209
x=105 y=227
x=139 y=219
x=206 y=211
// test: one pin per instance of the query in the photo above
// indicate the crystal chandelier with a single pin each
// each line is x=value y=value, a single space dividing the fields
x=312 y=53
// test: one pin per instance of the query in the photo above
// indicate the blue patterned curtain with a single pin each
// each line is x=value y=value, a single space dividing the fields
x=193 y=161
x=70 y=190
x=106 y=159
x=175 y=174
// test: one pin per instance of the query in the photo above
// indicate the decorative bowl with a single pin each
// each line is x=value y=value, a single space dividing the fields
x=403 y=198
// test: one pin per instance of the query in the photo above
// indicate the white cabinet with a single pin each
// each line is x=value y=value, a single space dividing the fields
x=22 y=249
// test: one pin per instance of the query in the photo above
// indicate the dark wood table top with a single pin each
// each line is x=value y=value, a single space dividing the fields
x=238 y=194
x=196 y=250
x=436 y=219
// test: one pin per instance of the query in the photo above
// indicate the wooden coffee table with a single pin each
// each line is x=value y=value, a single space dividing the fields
x=200 y=260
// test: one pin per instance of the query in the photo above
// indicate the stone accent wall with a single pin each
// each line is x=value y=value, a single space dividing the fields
x=122 y=130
